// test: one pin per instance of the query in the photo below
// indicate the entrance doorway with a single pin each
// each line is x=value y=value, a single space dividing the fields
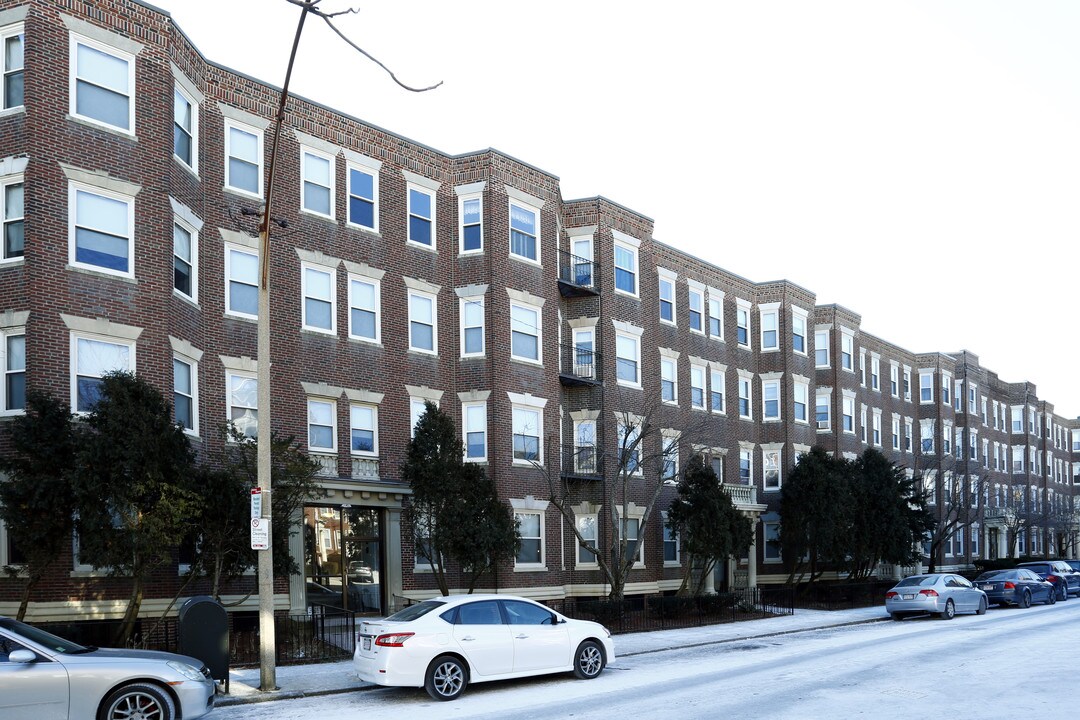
x=992 y=544
x=343 y=562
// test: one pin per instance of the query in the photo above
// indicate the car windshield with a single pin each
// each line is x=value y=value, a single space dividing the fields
x=416 y=611
x=999 y=574
x=918 y=580
x=54 y=643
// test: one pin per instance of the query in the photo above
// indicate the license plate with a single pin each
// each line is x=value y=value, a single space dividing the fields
x=367 y=643
x=910 y=596
x=987 y=587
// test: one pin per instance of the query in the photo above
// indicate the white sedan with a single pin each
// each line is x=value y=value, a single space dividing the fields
x=446 y=643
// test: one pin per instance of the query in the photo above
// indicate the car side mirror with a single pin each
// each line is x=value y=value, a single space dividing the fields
x=22 y=656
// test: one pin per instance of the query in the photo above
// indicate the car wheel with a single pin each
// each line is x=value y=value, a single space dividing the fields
x=1062 y=592
x=950 y=610
x=897 y=616
x=446 y=678
x=1051 y=597
x=982 y=607
x=1025 y=599
x=138 y=700
x=588 y=660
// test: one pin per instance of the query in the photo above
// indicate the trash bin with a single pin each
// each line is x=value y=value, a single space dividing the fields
x=203 y=633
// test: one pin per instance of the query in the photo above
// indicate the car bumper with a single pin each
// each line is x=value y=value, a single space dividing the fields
x=195 y=699
x=390 y=670
x=920 y=604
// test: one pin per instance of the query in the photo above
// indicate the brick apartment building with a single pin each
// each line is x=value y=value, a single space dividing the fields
x=127 y=162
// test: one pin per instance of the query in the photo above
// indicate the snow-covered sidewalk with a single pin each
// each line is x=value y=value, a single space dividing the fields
x=329 y=678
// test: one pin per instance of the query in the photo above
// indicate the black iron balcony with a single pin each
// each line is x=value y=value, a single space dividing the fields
x=578 y=276
x=582 y=463
x=579 y=366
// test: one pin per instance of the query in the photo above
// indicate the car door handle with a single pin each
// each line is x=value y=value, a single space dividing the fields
x=522 y=636
x=468 y=638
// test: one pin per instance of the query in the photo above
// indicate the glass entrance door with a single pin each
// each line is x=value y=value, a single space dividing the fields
x=343 y=565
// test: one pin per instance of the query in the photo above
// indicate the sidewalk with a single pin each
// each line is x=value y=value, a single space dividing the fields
x=298 y=681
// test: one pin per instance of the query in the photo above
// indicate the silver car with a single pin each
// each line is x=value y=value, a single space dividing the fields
x=941 y=594
x=44 y=677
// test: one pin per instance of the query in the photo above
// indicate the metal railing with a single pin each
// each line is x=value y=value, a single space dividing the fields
x=581 y=363
x=581 y=461
x=578 y=271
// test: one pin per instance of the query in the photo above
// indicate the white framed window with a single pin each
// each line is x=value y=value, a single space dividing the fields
x=586 y=549
x=363 y=196
x=186 y=393
x=671 y=545
x=626 y=268
x=875 y=373
x=585 y=446
x=631 y=531
x=12 y=216
x=946 y=381
x=421 y=216
x=862 y=366
x=695 y=309
x=770 y=327
x=771 y=535
x=102 y=84
x=973 y=392
x=527 y=429
x=471 y=223
x=101 y=228
x=13 y=390
x=821 y=348
x=417 y=408
x=847 y=350
x=365 y=303
x=895 y=433
x=798 y=330
x=907 y=383
x=364 y=429
x=185 y=260
x=716 y=314
x=669 y=456
x=909 y=433
x=666 y=282
x=717 y=390
x=742 y=322
x=628 y=434
x=926 y=386
x=322 y=425
x=241 y=282
x=894 y=379
x=585 y=360
x=697 y=387
x=958 y=396
x=243 y=158
x=745 y=397
x=770 y=400
x=526 y=335
x=581 y=249
x=242 y=401
x=319 y=289
x=472 y=326
x=946 y=438
x=848 y=406
x=185 y=129
x=474 y=429
x=821 y=410
x=746 y=465
x=801 y=400
x=92 y=358
x=876 y=419
x=863 y=424
x=423 y=322
x=772 y=467
x=628 y=358
x=524 y=231
x=1017 y=419
x=12 y=45
x=669 y=380
x=317 y=175
x=531 y=530
x=926 y=436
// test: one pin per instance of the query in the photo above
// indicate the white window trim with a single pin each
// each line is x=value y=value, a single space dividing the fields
x=634 y=513
x=747 y=307
x=194 y=261
x=332 y=272
x=465 y=429
x=825 y=330
x=695 y=289
x=634 y=333
x=631 y=245
x=533 y=208
x=803 y=383
x=718 y=296
x=539 y=310
x=777 y=448
x=461 y=224
x=73 y=188
x=250 y=375
x=765 y=544
x=922 y=374
x=463 y=302
x=229 y=249
x=193 y=166
x=17 y=28
x=849 y=335
x=669 y=278
x=5 y=182
x=798 y=312
x=677 y=562
x=769 y=379
x=332 y=160
x=193 y=363
x=579 y=515
x=75 y=39
x=374 y=173
x=527 y=508
x=258 y=133
x=773 y=310
x=704 y=387
x=377 y=283
x=409 y=187
x=410 y=293
x=748 y=378
x=673 y=362
x=722 y=372
x=77 y=335
x=525 y=401
x=6 y=332
x=332 y=402
x=374 y=452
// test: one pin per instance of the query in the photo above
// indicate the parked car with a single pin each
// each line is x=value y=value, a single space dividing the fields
x=448 y=642
x=941 y=594
x=1018 y=586
x=1066 y=580
x=1074 y=564
x=45 y=677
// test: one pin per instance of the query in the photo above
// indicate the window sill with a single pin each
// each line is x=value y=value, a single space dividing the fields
x=624 y=383
x=17 y=110
x=112 y=130
x=187 y=299
x=421 y=246
x=190 y=170
x=424 y=353
x=13 y=262
x=365 y=341
x=530 y=568
x=475 y=356
x=670 y=323
x=672 y=564
x=241 y=192
x=318 y=332
x=102 y=274
x=700 y=333
x=329 y=219
x=718 y=338
x=624 y=293
x=471 y=253
x=526 y=463
x=527 y=361
x=242 y=318
x=772 y=420
x=525 y=260
x=770 y=350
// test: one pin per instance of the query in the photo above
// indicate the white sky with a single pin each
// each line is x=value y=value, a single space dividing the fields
x=916 y=162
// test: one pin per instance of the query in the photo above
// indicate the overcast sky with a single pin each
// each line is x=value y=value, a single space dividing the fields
x=916 y=162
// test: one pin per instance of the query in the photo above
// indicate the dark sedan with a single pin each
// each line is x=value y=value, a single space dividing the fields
x=1018 y=586
x=1066 y=580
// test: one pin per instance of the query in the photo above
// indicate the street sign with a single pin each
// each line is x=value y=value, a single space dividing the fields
x=256 y=502
x=260 y=533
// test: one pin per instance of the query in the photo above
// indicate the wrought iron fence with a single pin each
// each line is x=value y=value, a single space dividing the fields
x=842 y=596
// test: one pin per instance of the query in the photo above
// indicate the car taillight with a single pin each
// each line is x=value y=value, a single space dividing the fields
x=393 y=639
x=928 y=593
x=1010 y=585
x=891 y=594
x=1052 y=578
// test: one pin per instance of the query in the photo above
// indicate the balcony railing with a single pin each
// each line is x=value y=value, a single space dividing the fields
x=365 y=468
x=583 y=463
x=577 y=275
x=741 y=494
x=580 y=366
x=327 y=465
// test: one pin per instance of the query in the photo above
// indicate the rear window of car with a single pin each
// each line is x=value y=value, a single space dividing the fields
x=917 y=580
x=999 y=574
x=1039 y=568
x=416 y=611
